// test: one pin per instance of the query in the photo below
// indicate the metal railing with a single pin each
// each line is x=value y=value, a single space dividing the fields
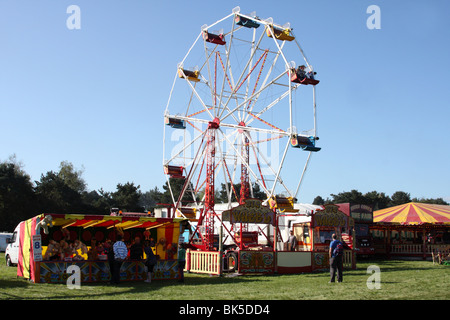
x=347 y=262
x=418 y=248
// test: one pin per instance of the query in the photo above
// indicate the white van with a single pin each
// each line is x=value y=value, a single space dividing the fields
x=12 y=249
x=4 y=236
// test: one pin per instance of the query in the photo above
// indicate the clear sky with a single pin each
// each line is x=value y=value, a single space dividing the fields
x=96 y=96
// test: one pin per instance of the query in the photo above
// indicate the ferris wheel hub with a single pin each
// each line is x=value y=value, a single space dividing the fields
x=215 y=124
x=241 y=124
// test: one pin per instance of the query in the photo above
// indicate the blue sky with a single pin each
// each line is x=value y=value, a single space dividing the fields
x=96 y=96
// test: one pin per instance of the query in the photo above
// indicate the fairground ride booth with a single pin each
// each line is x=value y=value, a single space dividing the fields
x=414 y=230
x=363 y=216
x=314 y=237
x=81 y=240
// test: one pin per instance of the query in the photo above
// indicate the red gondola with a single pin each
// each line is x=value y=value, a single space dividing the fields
x=305 y=80
x=214 y=38
x=175 y=172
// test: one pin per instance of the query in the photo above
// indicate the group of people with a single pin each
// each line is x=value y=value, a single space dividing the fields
x=64 y=250
x=119 y=253
x=302 y=74
x=114 y=252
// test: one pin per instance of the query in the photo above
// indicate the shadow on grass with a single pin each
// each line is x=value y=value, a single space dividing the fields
x=107 y=291
x=398 y=265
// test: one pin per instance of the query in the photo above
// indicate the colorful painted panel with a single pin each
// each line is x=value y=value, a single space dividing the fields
x=99 y=271
x=256 y=261
x=165 y=269
x=321 y=261
x=55 y=272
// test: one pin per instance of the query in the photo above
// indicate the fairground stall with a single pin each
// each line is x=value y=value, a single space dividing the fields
x=363 y=216
x=315 y=236
x=412 y=230
x=50 y=243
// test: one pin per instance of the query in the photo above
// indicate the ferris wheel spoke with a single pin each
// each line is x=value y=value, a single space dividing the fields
x=269 y=72
x=188 y=178
x=246 y=164
x=303 y=174
x=185 y=147
x=253 y=95
x=272 y=104
x=209 y=76
x=243 y=71
x=279 y=171
x=257 y=151
x=198 y=96
x=227 y=51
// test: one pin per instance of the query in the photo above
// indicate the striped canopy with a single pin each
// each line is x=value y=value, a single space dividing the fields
x=414 y=213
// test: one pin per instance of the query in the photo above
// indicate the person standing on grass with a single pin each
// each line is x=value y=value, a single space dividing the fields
x=120 y=254
x=336 y=255
x=136 y=249
x=181 y=261
x=150 y=260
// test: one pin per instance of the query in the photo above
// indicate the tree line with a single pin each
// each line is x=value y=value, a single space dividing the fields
x=378 y=200
x=65 y=191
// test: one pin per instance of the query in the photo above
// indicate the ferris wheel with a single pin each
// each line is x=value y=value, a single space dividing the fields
x=240 y=108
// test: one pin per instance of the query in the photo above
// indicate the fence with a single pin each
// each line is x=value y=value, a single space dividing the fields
x=418 y=248
x=203 y=262
x=348 y=260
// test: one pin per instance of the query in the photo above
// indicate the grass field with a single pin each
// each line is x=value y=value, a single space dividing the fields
x=399 y=280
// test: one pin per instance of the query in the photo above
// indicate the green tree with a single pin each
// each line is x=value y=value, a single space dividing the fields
x=150 y=199
x=318 y=201
x=62 y=191
x=55 y=196
x=440 y=201
x=97 y=202
x=400 y=197
x=17 y=200
x=377 y=200
x=354 y=196
x=72 y=177
x=222 y=196
x=176 y=185
x=127 y=197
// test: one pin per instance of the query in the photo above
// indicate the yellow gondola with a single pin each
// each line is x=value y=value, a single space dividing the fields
x=190 y=75
x=280 y=34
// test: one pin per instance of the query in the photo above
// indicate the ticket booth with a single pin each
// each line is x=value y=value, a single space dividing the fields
x=315 y=236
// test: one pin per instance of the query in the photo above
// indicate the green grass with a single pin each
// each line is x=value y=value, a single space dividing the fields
x=399 y=280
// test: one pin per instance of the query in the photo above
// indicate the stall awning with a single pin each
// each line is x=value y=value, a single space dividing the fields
x=413 y=213
x=124 y=222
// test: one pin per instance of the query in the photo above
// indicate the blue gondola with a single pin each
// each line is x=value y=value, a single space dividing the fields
x=245 y=22
x=305 y=143
x=175 y=123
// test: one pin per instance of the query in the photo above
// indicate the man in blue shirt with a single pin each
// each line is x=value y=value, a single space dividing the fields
x=120 y=254
x=336 y=255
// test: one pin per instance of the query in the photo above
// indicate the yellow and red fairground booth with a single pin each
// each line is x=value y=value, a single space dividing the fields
x=76 y=239
x=412 y=230
x=314 y=236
